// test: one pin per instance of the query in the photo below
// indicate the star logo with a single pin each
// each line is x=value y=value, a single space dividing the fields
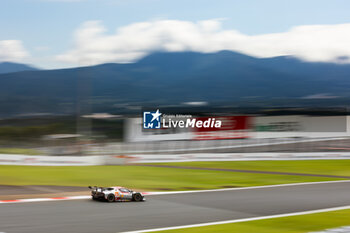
x=151 y=120
x=156 y=115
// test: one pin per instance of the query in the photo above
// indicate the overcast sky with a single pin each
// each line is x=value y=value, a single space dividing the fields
x=65 y=33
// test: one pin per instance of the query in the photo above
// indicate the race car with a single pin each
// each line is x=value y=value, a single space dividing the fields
x=112 y=194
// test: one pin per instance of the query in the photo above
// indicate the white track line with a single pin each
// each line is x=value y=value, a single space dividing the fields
x=253 y=187
x=243 y=219
x=173 y=192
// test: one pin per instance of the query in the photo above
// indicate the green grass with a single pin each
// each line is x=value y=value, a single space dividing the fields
x=296 y=224
x=22 y=151
x=144 y=178
x=327 y=167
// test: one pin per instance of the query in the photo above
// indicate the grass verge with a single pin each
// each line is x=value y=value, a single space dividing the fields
x=326 y=167
x=21 y=151
x=144 y=178
x=296 y=224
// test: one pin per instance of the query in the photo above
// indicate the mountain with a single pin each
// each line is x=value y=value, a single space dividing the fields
x=9 y=67
x=225 y=77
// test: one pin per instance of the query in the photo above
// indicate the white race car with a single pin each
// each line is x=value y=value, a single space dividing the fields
x=112 y=194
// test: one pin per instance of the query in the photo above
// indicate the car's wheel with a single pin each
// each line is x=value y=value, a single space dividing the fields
x=110 y=198
x=94 y=198
x=137 y=197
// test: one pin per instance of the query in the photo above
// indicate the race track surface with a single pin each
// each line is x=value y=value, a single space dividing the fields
x=169 y=210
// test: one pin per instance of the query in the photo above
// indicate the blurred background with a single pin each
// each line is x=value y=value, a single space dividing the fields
x=256 y=130
x=77 y=75
x=79 y=88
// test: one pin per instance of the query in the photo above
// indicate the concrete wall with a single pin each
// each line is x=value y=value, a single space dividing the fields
x=262 y=127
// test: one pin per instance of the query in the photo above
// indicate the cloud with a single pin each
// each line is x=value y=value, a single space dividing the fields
x=42 y=48
x=12 y=50
x=94 y=45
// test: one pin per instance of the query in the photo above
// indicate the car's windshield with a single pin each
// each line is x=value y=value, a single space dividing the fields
x=124 y=190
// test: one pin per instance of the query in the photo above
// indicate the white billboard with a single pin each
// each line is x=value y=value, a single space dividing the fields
x=261 y=127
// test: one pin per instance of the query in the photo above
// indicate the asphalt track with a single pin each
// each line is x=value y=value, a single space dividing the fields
x=169 y=210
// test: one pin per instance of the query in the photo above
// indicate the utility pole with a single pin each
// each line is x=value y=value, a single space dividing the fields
x=83 y=127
